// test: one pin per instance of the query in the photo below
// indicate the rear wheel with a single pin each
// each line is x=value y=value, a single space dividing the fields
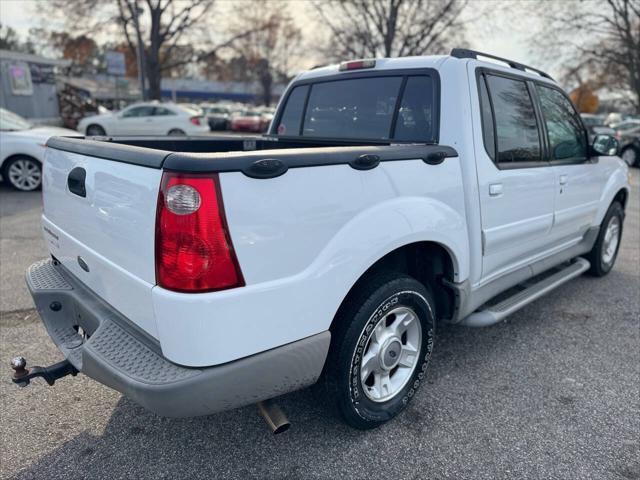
x=23 y=173
x=605 y=251
x=95 y=131
x=174 y=132
x=380 y=349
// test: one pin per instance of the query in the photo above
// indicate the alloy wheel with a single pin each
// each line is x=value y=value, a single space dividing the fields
x=25 y=174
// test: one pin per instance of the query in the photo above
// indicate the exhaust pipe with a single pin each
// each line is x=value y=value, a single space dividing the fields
x=274 y=416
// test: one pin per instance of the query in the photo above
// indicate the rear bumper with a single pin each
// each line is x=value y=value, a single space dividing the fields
x=118 y=354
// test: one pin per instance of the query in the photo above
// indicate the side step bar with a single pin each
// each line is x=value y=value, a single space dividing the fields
x=496 y=313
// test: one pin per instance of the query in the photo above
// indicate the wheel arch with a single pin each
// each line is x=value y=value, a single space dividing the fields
x=95 y=124
x=622 y=196
x=616 y=189
x=429 y=262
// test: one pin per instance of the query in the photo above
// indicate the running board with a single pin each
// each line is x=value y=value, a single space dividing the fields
x=496 y=313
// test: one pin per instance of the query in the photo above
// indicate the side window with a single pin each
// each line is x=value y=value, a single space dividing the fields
x=518 y=139
x=138 y=112
x=416 y=116
x=292 y=116
x=567 y=137
x=162 y=111
x=487 y=119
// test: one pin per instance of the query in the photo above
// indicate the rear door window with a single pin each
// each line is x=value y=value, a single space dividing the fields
x=160 y=111
x=487 y=120
x=145 y=111
x=517 y=134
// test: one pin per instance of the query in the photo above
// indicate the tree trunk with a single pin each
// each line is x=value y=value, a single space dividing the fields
x=154 y=77
x=265 y=78
x=267 y=88
x=152 y=57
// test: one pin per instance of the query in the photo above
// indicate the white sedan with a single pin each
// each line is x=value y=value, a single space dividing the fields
x=22 y=148
x=150 y=118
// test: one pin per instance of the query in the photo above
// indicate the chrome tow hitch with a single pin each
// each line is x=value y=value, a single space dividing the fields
x=22 y=376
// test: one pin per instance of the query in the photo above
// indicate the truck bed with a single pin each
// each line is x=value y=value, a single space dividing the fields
x=240 y=153
x=293 y=228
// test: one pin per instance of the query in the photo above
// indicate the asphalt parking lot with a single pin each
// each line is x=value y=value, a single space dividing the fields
x=554 y=392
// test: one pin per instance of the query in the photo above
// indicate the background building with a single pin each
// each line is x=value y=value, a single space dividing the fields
x=28 y=85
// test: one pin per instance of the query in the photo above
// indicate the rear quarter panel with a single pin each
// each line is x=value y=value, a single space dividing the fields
x=613 y=176
x=302 y=240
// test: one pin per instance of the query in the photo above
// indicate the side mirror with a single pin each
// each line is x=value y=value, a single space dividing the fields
x=604 y=145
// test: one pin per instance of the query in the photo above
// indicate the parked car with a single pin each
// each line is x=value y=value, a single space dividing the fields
x=596 y=126
x=626 y=126
x=247 y=121
x=266 y=117
x=22 y=148
x=217 y=116
x=149 y=118
x=334 y=245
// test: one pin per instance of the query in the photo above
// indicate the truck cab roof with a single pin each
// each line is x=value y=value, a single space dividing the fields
x=435 y=62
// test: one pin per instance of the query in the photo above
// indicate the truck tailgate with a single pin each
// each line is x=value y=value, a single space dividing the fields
x=105 y=238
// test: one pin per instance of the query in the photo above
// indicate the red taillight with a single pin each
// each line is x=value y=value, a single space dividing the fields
x=357 y=64
x=194 y=252
x=195 y=120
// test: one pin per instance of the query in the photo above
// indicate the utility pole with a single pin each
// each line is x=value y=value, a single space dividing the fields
x=139 y=53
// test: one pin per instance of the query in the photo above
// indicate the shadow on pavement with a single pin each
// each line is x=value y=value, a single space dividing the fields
x=525 y=393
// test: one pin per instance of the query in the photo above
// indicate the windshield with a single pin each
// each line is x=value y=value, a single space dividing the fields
x=377 y=107
x=11 y=121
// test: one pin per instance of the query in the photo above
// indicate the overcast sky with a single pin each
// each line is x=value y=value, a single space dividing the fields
x=496 y=33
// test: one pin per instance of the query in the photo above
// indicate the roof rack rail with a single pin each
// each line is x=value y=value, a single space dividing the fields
x=466 y=53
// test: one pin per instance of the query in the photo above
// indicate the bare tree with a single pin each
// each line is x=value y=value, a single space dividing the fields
x=169 y=31
x=10 y=40
x=390 y=28
x=166 y=25
x=594 y=42
x=272 y=40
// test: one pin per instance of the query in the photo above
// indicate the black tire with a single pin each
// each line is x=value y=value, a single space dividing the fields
x=631 y=156
x=94 y=130
x=353 y=324
x=23 y=173
x=600 y=267
x=175 y=132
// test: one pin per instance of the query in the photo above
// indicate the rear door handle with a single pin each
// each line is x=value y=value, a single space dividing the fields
x=564 y=179
x=495 y=189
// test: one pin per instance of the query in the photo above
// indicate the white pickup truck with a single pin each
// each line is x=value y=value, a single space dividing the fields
x=201 y=274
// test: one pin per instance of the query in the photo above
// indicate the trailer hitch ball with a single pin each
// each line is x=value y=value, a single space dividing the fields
x=18 y=364
x=22 y=376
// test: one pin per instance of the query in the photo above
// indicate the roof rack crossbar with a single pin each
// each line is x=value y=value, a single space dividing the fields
x=466 y=53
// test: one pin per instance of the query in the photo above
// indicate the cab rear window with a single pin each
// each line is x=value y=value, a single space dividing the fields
x=394 y=107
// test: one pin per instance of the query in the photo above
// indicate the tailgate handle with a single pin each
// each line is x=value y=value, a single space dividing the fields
x=75 y=181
